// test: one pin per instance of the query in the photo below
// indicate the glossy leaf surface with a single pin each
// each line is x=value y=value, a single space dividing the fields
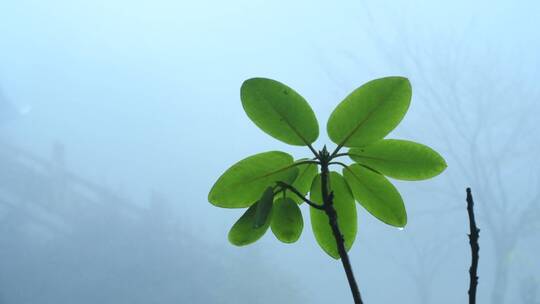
x=370 y=112
x=243 y=183
x=243 y=231
x=302 y=183
x=346 y=213
x=376 y=194
x=264 y=207
x=287 y=222
x=400 y=159
x=279 y=111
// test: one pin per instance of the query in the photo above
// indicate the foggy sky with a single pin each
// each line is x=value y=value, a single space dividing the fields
x=145 y=97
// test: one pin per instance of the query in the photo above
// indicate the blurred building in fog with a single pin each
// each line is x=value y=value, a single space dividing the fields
x=66 y=239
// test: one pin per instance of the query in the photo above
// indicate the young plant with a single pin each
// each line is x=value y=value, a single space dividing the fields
x=272 y=184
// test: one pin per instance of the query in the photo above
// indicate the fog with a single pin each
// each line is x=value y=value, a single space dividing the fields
x=117 y=117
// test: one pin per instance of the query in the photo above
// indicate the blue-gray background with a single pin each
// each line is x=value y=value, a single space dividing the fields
x=118 y=116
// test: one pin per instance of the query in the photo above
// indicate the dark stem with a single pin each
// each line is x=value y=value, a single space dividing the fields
x=339 y=155
x=473 y=241
x=332 y=217
x=313 y=150
x=284 y=186
x=338 y=163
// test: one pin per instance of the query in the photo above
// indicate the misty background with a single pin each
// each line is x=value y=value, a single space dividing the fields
x=116 y=118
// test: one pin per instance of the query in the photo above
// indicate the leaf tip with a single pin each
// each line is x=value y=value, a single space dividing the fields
x=404 y=80
x=401 y=223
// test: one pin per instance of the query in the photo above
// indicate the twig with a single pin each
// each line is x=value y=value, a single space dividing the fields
x=284 y=185
x=473 y=241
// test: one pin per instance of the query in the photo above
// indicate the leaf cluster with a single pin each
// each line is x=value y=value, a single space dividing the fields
x=273 y=185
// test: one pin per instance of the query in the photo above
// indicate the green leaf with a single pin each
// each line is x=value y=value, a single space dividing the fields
x=377 y=195
x=279 y=111
x=303 y=181
x=243 y=232
x=346 y=214
x=242 y=184
x=400 y=159
x=264 y=207
x=370 y=112
x=287 y=222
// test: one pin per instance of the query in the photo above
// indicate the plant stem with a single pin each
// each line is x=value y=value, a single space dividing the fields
x=284 y=186
x=473 y=241
x=328 y=206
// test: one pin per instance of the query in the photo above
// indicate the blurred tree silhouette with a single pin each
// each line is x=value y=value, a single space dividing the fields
x=484 y=109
